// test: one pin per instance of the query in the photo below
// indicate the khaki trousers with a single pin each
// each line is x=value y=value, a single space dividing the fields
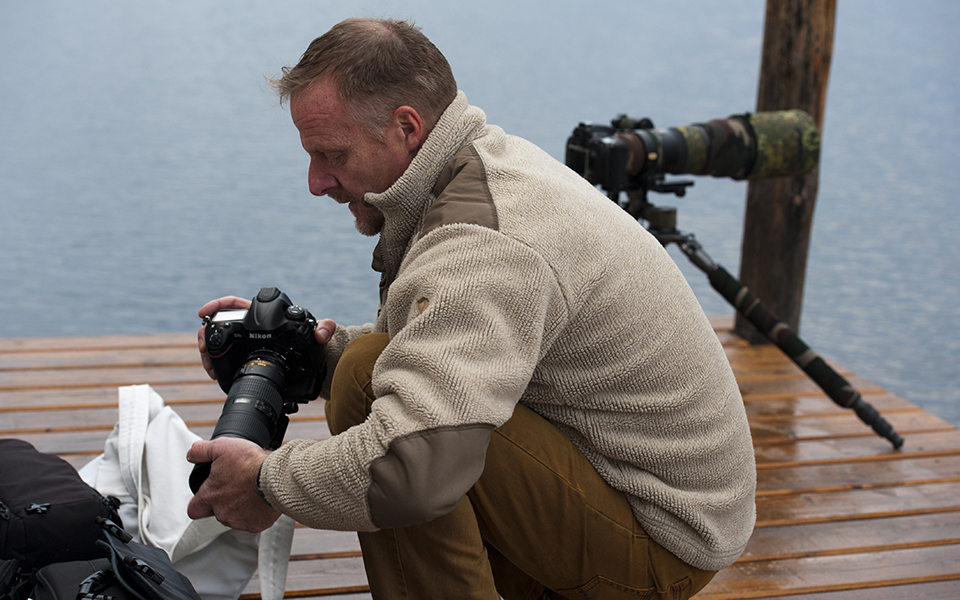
x=539 y=518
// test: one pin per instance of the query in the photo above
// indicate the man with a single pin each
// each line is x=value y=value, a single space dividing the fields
x=541 y=406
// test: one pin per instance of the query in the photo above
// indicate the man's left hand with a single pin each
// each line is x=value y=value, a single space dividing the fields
x=230 y=491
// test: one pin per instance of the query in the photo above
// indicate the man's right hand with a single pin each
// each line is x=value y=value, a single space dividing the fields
x=325 y=328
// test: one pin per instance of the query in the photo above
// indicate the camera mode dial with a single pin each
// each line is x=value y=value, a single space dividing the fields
x=296 y=313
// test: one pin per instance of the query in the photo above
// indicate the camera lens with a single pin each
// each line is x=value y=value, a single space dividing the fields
x=255 y=404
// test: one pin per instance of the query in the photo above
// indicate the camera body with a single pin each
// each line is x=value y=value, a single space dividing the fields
x=598 y=155
x=267 y=359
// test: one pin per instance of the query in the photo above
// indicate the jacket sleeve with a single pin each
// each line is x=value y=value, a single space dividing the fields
x=467 y=318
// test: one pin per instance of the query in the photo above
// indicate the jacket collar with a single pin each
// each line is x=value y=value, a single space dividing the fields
x=404 y=203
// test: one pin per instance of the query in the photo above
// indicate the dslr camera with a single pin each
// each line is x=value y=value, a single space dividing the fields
x=267 y=360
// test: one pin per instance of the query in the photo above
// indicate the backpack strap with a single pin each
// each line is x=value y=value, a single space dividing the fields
x=95 y=583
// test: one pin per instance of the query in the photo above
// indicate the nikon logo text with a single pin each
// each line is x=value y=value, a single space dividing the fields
x=261 y=336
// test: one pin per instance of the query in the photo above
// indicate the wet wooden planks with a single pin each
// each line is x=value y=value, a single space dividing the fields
x=841 y=515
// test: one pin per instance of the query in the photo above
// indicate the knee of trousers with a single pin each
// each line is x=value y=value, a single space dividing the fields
x=351 y=393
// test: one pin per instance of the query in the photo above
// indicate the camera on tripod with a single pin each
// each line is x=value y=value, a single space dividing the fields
x=630 y=154
x=267 y=359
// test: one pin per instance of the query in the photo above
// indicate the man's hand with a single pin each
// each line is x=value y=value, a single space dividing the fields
x=230 y=491
x=324 y=330
x=210 y=308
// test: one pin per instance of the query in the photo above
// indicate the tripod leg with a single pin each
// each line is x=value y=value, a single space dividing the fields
x=835 y=385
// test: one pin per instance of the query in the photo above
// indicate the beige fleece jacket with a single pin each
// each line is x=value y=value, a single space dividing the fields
x=508 y=278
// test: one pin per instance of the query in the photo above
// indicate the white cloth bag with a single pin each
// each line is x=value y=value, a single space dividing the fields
x=144 y=465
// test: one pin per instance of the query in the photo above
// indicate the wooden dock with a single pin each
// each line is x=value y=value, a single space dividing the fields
x=841 y=515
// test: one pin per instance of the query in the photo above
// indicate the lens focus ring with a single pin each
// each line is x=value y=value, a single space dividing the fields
x=252 y=410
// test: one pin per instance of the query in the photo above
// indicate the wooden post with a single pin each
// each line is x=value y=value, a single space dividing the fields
x=795 y=66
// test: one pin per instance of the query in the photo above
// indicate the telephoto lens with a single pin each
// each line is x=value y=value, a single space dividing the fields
x=750 y=146
x=254 y=406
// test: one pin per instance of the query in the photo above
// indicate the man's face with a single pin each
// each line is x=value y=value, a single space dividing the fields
x=346 y=161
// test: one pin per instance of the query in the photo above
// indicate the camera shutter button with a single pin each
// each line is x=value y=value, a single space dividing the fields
x=296 y=313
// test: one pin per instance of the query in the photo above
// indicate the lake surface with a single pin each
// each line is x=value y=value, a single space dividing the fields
x=145 y=167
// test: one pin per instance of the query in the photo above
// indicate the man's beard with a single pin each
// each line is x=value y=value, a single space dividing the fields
x=368 y=220
x=369 y=223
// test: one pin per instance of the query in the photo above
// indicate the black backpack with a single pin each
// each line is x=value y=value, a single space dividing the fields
x=47 y=513
x=60 y=538
x=131 y=571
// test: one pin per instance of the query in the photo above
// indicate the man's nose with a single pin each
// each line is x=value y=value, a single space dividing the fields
x=320 y=180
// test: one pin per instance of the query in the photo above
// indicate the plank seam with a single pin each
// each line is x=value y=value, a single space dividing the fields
x=900 y=455
x=108 y=427
x=780 y=493
x=811 y=394
x=99 y=405
x=327 y=555
x=832 y=414
x=141 y=365
x=848 y=551
x=837 y=587
x=856 y=517
x=88 y=386
x=867 y=433
x=344 y=590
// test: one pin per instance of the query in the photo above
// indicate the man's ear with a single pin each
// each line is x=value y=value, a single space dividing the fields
x=409 y=127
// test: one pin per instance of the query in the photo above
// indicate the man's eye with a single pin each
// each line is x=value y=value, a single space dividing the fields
x=336 y=158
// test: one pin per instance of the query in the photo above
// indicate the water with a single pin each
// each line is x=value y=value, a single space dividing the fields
x=145 y=168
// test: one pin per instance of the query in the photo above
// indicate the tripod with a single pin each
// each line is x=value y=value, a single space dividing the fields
x=662 y=224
